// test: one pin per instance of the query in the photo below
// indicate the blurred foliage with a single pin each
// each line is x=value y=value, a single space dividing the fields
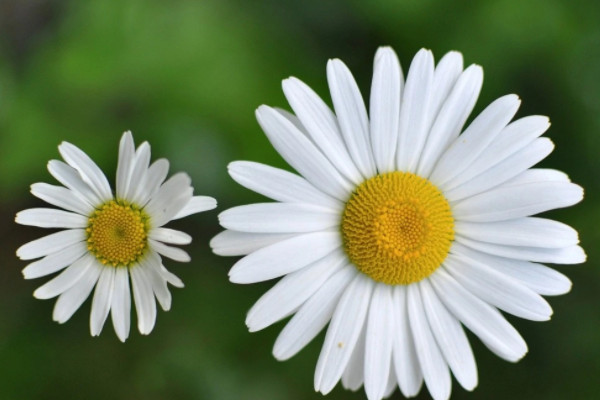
x=186 y=76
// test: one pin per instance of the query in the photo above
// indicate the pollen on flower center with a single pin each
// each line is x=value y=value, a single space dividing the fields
x=397 y=228
x=117 y=233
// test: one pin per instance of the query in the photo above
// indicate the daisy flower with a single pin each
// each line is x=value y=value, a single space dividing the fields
x=399 y=230
x=109 y=239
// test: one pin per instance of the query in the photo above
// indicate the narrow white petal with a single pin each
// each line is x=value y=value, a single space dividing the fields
x=155 y=176
x=539 y=278
x=301 y=154
x=528 y=231
x=535 y=175
x=379 y=336
x=170 y=277
x=121 y=304
x=354 y=374
x=279 y=185
x=480 y=133
x=447 y=72
x=195 y=205
x=62 y=197
x=171 y=236
x=171 y=198
x=144 y=300
x=511 y=201
x=565 y=255
x=406 y=362
x=174 y=253
x=321 y=126
x=65 y=280
x=72 y=299
x=451 y=118
x=232 y=243
x=279 y=218
x=126 y=154
x=497 y=289
x=50 y=218
x=434 y=367
x=69 y=177
x=284 y=257
x=352 y=116
x=152 y=265
x=89 y=171
x=386 y=91
x=391 y=384
x=483 y=320
x=450 y=337
x=313 y=315
x=52 y=243
x=416 y=115
x=500 y=173
x=137 y=177
x=292 y=291
x=102 y=300
x=343 y=332
x=55 y=261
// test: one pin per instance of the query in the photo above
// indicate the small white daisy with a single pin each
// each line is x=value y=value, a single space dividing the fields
x=108 y=239
x=400 y=229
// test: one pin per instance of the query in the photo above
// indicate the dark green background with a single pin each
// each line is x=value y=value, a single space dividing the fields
x=187 y=76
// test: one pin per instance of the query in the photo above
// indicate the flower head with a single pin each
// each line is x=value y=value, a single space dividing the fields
x=109 y=239
x=399 y=229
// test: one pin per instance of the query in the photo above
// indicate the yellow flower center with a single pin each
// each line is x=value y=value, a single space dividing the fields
x=117 y=233
x=397 y=228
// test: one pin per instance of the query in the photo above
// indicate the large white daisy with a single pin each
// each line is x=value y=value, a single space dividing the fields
x=400 y=229
x=109 y=239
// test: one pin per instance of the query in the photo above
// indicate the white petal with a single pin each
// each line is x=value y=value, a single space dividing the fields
x=171 y=198
x=406 y=362
x=482 y=319
x=535 y=175
x=172 y=236
x=537 y=277
x=480 y=133
x=284 y=257
x=121 y=303
x=392 y=383
x=155 y=176
x=343 y=332
x=565 y=255
x=386 y=90
x=102 y=300
x=66 y=279
x=517 y=200
x=169 y=276
x=302 y=154
x=50 y=218
x=450 y=337
x=321 y=126
x=416 y=115
x=72 y=299
x=152 y=265
x=89 y=171
x=279 y=185
x=279 y=218
x=354 y=374
x=137 y=180
x=62 y=197
x=528 y=231
x=69 y=177
x=447 y=72
x=313 y=315
x=497 y=289
x=55 y=261
x=174 y=253
x=195 y=205
x=509 y=168
x=126 y=155
x=232 y=243
x=352 y=116
x=451 y=118
x=380 y=333
x=52 y=243
x=144 y=300
x=434 y=367
x=292 y=291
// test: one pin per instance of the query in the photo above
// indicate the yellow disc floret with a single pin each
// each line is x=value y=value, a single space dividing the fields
x=117 y=233
x=397 y=228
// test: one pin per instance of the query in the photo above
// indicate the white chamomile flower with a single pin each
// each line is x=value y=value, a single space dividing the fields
x=109 y=239
x=400 y=229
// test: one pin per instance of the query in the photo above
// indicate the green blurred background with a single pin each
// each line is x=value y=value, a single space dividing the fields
x=187 y=76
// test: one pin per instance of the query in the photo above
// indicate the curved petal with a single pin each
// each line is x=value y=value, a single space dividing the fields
x=174 y=253
x=195 y=205
x=69 y=177
x=73 y=298
x=62 y=197
x=65 y=280
x=55 y=261
x=171 y=236
x=89 y=171
x=170 y=199
x=233 y=243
